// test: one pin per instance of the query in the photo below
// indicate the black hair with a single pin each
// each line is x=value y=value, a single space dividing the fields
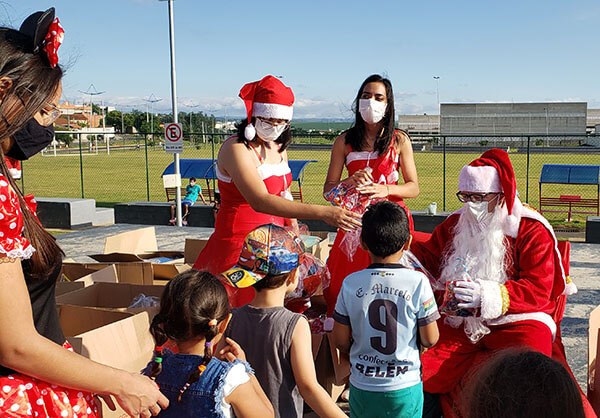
x=356 y=134
x=271 y=281
x=34 y=82
x=385 y=228
x=517 y=384
x=189 y=302
x=193 y=179
x=284 y=140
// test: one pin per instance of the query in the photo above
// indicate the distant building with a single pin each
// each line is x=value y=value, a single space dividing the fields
x=593 y=120
x=74 y=116
x=463 y=120
x=420 y=124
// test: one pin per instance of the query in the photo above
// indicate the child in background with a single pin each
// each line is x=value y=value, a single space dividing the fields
x=377 y=314
x=194 y=312
x=519 y=384
x=277 y=342
x=192 y=192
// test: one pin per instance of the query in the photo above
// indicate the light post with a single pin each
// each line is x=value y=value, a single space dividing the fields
x=91 y=94
x=437 y=85
x=151 y=100
x=191 y=126
x=174 y=104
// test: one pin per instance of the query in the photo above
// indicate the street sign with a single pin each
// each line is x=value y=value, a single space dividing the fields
x=173 y=138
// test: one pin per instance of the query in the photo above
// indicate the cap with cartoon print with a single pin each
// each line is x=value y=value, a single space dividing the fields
x=267 y=249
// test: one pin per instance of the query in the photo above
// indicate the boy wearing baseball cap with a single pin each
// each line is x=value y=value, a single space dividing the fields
x=276 y=341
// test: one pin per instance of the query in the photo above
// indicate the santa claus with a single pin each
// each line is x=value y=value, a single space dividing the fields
x=509 y=254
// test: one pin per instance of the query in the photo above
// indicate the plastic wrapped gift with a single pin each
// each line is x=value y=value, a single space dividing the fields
x=348 y=197
x=450 y=303
x=313 y=277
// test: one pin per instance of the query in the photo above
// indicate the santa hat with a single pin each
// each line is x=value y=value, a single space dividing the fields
x=267 y=98
x=490 y=173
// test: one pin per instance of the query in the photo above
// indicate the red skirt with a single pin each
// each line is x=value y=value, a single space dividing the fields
x=24 y=396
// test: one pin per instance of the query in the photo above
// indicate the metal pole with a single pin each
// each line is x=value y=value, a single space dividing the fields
x=81 y=166
x=174 y=101
x=147 y=176
x=444 y=176
x=527 y=185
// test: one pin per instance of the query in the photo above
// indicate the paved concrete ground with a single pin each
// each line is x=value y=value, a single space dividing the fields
x=585 y=271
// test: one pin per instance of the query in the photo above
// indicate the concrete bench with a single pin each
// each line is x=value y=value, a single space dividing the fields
x=592 y=229
x=159 y=213
x=66 y=213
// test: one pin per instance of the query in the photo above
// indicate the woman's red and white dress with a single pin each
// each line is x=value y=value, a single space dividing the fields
x=385 y=171
x=21 y=395
x=235 y=220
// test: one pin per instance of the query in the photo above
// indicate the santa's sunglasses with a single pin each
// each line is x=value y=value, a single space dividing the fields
x=475 y=197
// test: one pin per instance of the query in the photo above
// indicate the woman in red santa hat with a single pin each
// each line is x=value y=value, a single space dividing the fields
x=39 y=374
x=373 y=152
x=254 y=181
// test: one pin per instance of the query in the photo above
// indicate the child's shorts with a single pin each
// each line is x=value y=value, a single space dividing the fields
x=187 y=202
x=405 y=403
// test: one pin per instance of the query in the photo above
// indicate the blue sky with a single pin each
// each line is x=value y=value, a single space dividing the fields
x=517 y=51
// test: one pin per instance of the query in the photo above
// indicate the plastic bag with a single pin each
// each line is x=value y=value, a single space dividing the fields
x=313 y=277
x=450 y=303
x=348 y=197
x=143 y=301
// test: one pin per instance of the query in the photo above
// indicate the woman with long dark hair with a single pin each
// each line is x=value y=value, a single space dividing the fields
x=254 y=181
x=373 y=152
x=38 y=376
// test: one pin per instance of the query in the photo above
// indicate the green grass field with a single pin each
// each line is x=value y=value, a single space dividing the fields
x=121 y=176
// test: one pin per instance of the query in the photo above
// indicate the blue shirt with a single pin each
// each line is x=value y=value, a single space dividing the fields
x=192 y=192
x=384 y=305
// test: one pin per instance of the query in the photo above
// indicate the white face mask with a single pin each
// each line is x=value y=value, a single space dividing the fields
x=478 y=211
x=371 y=110
x=268 y=132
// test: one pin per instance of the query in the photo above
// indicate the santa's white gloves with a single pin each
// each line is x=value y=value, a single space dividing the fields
x=469 y=293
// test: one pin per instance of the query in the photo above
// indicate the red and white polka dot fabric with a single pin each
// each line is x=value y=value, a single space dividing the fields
x=12 y=242
x=24 y=396
x=52 y=41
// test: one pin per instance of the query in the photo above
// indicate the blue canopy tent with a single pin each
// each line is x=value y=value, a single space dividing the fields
x=202 y=168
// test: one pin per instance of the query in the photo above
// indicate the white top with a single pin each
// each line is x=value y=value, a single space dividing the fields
x=236 y=376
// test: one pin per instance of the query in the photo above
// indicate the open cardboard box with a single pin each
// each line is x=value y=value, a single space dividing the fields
x=593 y=386
x=322 y=248
x=112 y=296
x=107 y=274
x=140 y=246
x=117 y=339
x=135 y=272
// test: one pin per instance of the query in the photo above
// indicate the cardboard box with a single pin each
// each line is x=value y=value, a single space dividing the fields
x=136 y=241
x=107 y=275
x=321 y=249
x=125 y=344
x=112 y=296
x=140 y=246
x=139 y=272
x=593 y=384
x=193 y=247
x=333 y=382
x=75 y=320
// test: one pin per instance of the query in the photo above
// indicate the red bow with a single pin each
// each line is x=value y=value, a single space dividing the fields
x=52 y=41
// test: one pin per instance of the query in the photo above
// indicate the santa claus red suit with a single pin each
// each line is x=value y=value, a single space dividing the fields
x=502 y=257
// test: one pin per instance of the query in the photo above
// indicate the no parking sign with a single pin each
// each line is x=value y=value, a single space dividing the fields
x=173 y=138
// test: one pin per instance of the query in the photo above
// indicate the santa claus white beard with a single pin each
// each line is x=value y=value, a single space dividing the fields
x=477 y=248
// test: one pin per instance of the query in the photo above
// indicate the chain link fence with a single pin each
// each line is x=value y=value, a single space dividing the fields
x=129 y=167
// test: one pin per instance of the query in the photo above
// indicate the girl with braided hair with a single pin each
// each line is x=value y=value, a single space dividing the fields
x=194 y=313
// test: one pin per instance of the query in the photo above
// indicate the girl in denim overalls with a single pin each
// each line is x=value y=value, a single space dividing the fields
x=194 y=312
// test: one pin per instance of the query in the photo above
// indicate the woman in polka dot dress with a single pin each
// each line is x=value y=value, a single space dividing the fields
x=40 y=375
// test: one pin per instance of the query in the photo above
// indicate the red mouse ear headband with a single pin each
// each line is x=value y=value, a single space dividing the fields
x=45 y=33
